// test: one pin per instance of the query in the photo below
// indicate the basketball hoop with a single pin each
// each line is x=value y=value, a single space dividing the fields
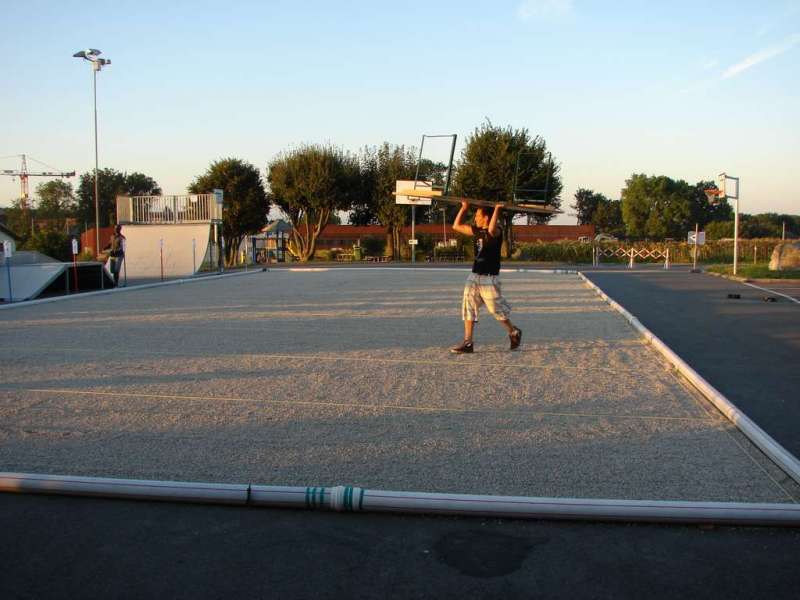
x=713 y=195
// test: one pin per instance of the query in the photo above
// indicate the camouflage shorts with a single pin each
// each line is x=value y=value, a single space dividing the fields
x=482 y=290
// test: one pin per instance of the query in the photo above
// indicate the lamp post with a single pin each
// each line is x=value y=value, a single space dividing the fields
x=93 y=56
x=444 y=226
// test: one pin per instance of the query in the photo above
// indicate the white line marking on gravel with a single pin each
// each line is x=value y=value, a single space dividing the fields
x=360 y=406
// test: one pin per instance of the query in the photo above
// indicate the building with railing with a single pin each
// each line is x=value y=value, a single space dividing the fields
x=171 y=236
x=157 y=210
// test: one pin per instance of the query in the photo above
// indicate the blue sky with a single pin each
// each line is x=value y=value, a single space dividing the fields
x=683 y=89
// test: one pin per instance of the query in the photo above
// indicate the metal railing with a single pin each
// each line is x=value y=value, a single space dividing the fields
x=190 y=208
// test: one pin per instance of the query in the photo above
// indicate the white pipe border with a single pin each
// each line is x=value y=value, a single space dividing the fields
x=777 y=453
x=356 y=499
x=134 y=489
x=119 y=290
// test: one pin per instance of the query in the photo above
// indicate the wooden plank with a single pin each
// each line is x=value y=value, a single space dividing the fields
x=527 y=207
x=419 y=193
x=521 y=208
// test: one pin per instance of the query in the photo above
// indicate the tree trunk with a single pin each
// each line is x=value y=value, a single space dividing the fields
x=508 y=235
x=304 y=235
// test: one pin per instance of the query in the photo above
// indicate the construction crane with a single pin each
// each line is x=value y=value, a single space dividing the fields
x=23 y=175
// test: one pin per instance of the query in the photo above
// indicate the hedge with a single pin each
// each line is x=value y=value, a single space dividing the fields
x=720 y=251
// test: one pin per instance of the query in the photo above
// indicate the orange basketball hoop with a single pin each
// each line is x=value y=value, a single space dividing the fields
x=714 y=195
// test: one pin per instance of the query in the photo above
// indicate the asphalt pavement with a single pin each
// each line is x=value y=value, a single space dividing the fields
x=58 y=547
x=746 y=347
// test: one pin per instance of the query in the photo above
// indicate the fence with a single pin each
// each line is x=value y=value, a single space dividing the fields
x=153 y=210
x=714 y=251
x=631 y=254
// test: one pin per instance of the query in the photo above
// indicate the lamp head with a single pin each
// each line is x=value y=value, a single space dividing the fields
x=90 y=54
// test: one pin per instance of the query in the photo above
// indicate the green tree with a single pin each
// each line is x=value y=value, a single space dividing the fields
x=56 y=202
x=717 y=230
x=659 y=207
x=246 y=205
x=586 y=203
x=110 y=184
x=309 y=184
x=487 y=167
x=19 y=220
x=381 y=167
x=51 y=242
x=607 y=217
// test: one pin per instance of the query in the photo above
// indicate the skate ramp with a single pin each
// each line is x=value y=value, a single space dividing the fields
x=181 y=258
x=28 y=280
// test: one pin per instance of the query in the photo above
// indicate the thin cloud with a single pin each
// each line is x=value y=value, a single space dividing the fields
x=544 y=9
x=761 y=56
x=709 y=63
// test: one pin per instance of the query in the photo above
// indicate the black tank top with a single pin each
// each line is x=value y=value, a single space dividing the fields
x=487 y=251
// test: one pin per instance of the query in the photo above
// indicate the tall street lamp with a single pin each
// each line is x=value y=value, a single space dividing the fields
x=444 y=225
x=93 y=56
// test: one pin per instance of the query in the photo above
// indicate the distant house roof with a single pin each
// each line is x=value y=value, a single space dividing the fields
x=9 y=233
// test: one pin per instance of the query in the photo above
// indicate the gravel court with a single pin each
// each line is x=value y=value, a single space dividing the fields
x=321 y=378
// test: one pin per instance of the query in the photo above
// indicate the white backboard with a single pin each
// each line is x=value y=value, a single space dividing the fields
x=403 y=184
x=729 y=186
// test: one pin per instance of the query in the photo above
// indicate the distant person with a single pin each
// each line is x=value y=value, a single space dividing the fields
x=483 y=284
x=116 y=253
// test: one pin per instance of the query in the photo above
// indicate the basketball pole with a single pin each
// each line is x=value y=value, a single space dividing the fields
x=736 y=233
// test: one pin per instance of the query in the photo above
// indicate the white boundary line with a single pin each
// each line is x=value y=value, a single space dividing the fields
x=125 y=289
x=777 y=453
x=752 y=285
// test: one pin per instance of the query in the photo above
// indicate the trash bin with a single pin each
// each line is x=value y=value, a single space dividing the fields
x=356 y=252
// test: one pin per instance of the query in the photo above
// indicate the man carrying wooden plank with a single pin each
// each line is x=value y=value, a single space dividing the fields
x=483 y=284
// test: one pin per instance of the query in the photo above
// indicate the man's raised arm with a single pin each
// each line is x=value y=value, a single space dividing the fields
x=458 y=225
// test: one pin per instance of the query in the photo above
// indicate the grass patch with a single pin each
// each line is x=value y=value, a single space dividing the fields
x=757 y=271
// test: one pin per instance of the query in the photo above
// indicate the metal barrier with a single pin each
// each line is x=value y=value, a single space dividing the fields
x=150 y=210
x=631 y=254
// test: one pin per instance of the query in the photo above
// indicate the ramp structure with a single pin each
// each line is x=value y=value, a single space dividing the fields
x=27 y=275
x=27 y=280
x=171 y=236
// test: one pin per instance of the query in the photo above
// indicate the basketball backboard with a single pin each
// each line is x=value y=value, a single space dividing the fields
x=729 y=186
x=402 y=185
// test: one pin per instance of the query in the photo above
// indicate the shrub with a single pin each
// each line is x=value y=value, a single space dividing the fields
x=373 y=246
x=52 y=243
x=563 y=251
x=426 y=243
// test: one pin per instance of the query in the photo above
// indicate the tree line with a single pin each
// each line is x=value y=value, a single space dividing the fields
x=313 y=184
x=658 y=207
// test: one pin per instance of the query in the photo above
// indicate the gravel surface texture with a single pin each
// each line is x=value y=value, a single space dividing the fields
x=344 y=377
